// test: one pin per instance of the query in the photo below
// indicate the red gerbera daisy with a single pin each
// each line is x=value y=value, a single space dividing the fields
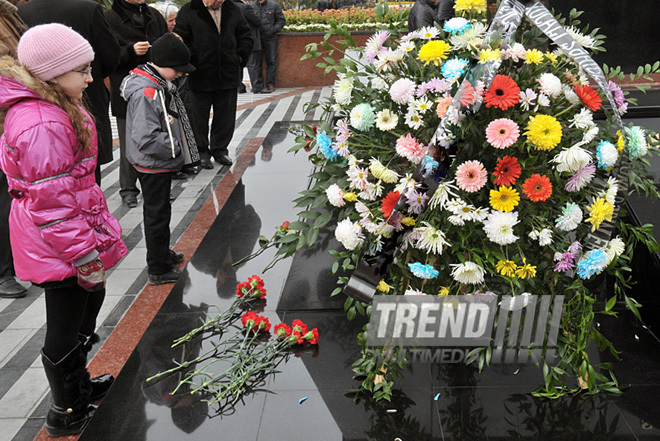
x=589 y=96
x=537 y=188
x=503 y=93
x=507 y=171
x=388 y=203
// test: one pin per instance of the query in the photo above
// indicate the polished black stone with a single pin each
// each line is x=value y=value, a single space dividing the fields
x=494 y=404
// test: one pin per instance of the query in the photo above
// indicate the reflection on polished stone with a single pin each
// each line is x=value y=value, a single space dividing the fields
x=432 y=402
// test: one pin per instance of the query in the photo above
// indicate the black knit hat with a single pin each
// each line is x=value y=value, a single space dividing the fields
x=170 y=51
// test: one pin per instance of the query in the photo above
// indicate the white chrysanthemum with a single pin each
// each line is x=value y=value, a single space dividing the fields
x=413 y=119
x=542 y=100
x=570 y=218
x=362 y=209
x=430 y=239
x=414 y=292
x=570 y=94
x=385 y=229
x=379 y=83
x=609 y=194
x=342 y=90
x=372 y=191
x=584 y=119
x=456 y=220
x=515 y=52
x=335 y=195
x=550 y=84
x=379 y=171
x=468 y=273
x=349 y=234
x=386 y=120
x=499 y=227
x=421 y=105
x=470 y=38
x=571 y=159
x=429 y=32
x=405 y=184
x=442 y=193
x=590 y=134
x=607 y=154
x=544 y=236
x=615 y=248
x=584 y=40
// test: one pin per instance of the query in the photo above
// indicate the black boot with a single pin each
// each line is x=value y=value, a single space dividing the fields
x=97 y=387
x=70 y=410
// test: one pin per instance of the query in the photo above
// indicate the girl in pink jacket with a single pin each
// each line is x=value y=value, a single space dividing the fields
x=62 y=235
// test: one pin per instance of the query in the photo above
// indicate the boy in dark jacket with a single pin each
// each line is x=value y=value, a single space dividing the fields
x=157 y=133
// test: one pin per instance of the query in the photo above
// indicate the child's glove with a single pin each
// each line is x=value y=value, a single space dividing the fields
x=91 y=276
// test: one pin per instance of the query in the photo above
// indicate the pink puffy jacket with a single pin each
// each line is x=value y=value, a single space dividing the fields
x=59 y=214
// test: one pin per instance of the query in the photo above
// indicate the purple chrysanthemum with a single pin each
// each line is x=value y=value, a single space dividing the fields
x=581 y=178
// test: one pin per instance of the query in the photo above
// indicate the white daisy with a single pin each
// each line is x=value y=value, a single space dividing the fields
x=468 y=273
x=358 y=177
x=386 y=120
x=430 y=239
x=429 y=32
x=413 y=119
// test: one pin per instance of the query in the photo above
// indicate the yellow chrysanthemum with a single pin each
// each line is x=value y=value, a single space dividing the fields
x=434 y=52
x=552 y=58
x=543 y=132
x=506 y=268
x=599 y=211
x=478 y=6
x=620 y=141
x=408 y=221
x=505 y=199
x=488 y=55
x=526 y=270
x=444 y=291
x=350 y=196
x=383 y=287
x=533 y=56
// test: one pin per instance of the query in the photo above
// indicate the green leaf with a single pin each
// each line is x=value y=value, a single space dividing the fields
x=299 y=225
x=312 y=236
x=288 y=238
x=610 y=303
x=323 y=219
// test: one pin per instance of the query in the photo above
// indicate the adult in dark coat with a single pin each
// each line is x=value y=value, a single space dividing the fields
x=218 y=58
x=86 y=18
x=272 y=21
x=136 y=26
x=423 y=13
x=445 y=11
x=254 y=23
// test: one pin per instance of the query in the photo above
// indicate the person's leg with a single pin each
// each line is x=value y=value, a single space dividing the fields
x=201 y=103
x=127 y=175
x=65 y=312
x=270 y=51
x=9 y=287
x=224 y=122
x=157 y=214
x=255 y=69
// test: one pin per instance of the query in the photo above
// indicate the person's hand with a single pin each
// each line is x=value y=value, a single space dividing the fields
x=91 y=276
x=141 y=47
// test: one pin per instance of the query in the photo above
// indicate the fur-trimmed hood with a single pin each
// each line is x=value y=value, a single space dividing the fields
x=17 y=83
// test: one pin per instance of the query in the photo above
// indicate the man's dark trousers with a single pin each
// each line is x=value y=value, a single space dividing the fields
x=223 y=102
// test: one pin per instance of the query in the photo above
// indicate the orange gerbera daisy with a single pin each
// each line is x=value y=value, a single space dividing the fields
x=503 y=93
x=589 y=96
x=507 y=171
x=388 y=202
x=537 y=188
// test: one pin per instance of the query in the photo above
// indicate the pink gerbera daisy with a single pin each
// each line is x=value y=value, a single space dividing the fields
x=502 y=133
x=471 y=176
x=409 y=148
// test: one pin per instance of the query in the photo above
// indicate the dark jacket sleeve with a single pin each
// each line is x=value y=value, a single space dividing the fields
x=251 y=16
x=104 y=38
x=280 y=20
x=244 y=41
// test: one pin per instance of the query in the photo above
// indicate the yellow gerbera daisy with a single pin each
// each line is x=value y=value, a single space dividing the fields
x=526 y=270
x=434 y=52
x=488 y=55
x=543 y=132
x=505 y=199
x=506 y=268
x=599 y=211
x=533 y=56
x=478 y=6
x=350 y=196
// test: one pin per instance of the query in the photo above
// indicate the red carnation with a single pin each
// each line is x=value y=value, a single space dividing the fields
x=282 y=330
x=312 y=336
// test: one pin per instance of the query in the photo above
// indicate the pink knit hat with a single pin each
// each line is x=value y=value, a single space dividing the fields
x=53 y=49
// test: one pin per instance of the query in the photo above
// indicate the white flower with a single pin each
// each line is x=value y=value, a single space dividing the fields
x=615 y=248
x=570 y=218
x=550 y=85
x=456 y=220
x=584 y=40
x=342 y=90
x=386 y=120
x=362 y=209
x=349 y=234
x=358 y=177
x=442 y=193
x=372 y=191
x=583 y=120
x=429 y=32
x=471 y=37
x=384 y=61
x=405 y=183
x=468 y=273
x=421 y=105
x=515 y=52
x=499 y=227
x=543 y=100
x=406 y=46
x=414 y=292
x=570 y=94
x=571 y=159
x=430 y=239
x=413 y=119
x=544 y=236
x=379 y=83
x=590 y=134
x=335 y=195
x=460 y=208
x=403 y=90
x=612 y=189
x=379 y=171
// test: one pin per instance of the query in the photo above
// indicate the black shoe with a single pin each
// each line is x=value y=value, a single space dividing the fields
x=96 y=387
x=190 y=170
x=11 y=289
x=224 y=160
x=70 y=410
x=130 y=200
x=242 y=90
x=206 y=164
x=179 y=175
x=265 y=91
x=175 y=257
x=270 y=88
x=169 y=277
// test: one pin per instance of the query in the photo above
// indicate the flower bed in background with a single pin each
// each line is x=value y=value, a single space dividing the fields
x=352 y=19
